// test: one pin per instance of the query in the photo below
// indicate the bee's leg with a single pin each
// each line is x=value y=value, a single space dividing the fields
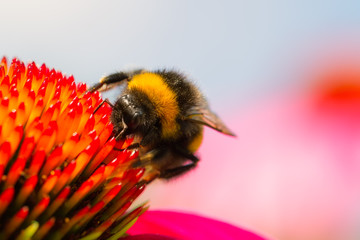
x=102 y=103
x=146 y=139
x=146 y=159
x=173 y=172
x=133 y=145
x=109 y=82
x=151 y=176
x=186 y=154
x=121 y=133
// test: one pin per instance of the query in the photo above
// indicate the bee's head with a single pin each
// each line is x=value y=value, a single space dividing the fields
x=133 y=117
x=128 y=113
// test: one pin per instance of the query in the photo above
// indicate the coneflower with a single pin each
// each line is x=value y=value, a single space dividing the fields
x=62 y=173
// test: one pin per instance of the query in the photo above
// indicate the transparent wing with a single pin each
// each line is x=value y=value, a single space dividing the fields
x=204 y=116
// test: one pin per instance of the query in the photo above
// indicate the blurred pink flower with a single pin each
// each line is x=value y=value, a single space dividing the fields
x=294 y=170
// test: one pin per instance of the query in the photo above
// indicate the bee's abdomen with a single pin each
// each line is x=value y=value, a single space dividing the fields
x=196 y=141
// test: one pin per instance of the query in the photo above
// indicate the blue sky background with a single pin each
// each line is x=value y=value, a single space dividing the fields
x=236 y=51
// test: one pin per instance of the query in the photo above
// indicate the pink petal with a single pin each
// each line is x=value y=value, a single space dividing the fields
x=187 y=226
x=148 y=237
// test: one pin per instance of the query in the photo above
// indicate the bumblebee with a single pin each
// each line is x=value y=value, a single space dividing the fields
x=167 y=113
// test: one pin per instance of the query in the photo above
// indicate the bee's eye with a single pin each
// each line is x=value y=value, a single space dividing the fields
x=135 y=121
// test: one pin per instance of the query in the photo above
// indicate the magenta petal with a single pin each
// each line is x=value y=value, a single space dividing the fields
x=148 y=237
x=187 y=226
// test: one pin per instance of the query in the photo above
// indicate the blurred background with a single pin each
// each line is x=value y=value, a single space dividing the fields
x=284 y=75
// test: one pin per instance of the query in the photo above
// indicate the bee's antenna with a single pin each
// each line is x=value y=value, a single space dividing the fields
x=102 y=103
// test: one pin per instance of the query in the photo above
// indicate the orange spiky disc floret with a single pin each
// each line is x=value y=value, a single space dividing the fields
x=54 y=182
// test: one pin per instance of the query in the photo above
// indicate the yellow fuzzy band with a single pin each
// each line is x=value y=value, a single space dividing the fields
x=163 y=99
